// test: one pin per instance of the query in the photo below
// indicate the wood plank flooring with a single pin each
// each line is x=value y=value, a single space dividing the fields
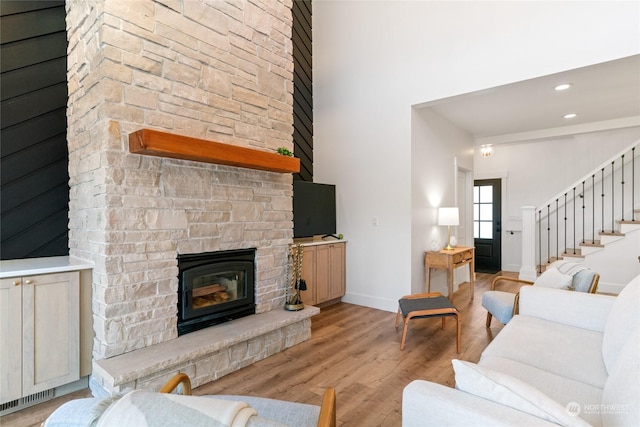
x=354 y=349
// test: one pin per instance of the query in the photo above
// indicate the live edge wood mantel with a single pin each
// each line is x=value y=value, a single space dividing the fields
x=163 y=144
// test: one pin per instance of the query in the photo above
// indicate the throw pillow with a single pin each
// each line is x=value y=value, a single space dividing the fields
x=509 y=391
x=582 y=280
x=568 y=267
x=553 y=278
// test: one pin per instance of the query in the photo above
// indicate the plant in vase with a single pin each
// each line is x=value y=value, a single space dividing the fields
x=294 y=279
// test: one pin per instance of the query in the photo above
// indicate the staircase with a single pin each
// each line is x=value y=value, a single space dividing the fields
x=606 y=238
x=595 y=214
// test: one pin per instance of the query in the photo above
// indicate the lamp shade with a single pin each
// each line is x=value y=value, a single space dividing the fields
x=448 y=216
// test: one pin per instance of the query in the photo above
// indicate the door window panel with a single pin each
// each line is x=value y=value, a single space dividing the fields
x=486 y=212
x=483 y=212
x=486 y=194
x=486 y=230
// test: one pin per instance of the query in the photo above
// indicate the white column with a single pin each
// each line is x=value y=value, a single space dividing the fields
x=528 y=266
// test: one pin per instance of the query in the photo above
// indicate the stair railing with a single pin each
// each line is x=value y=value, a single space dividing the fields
x=558 y=237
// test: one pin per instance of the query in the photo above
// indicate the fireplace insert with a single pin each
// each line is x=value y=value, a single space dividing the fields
x=215 y=287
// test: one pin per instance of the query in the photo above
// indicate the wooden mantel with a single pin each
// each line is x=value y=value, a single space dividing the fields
x=163 y=144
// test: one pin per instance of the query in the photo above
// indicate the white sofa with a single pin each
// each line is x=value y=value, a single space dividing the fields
x=568 y=358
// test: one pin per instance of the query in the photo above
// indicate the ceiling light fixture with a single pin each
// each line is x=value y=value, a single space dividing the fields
x=570 y=116
x=563 y=86
x=486 y=151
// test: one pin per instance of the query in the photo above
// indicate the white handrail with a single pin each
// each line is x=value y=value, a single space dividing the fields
x=587 y=176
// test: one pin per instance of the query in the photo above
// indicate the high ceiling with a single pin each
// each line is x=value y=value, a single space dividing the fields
x=608 y=92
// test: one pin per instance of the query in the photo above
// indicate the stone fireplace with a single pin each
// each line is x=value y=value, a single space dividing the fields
x=214 y=70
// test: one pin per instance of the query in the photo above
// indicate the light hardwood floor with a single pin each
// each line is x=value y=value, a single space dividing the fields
x=354 y=349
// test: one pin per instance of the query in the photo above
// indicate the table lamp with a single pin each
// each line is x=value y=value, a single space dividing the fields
x=448 y=217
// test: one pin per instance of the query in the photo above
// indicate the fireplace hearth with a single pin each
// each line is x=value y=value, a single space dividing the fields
x=215 y=287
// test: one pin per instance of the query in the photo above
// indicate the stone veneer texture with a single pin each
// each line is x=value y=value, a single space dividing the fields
x=211 y=69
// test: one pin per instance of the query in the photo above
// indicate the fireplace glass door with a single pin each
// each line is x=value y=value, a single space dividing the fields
x=214 y=290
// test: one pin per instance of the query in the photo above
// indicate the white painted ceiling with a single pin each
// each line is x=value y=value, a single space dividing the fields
x=603 y=92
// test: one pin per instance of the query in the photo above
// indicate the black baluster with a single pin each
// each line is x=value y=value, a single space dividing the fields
x=565 y=222
x=582 y=196
x=593 y=209
x=602 y=198
x=613 y=197
x=557 y=231
x=622 y=188
x=574 y=221
x=540 y=241
x=633 y=184
x=548 y=236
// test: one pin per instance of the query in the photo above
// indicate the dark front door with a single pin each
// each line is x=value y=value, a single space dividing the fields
x=487 y=224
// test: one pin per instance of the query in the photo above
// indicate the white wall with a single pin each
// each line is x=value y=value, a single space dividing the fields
x=373 y=60
x=534 y=172
x=433 y=185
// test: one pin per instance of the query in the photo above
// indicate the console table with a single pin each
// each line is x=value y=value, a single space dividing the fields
x=450 y=259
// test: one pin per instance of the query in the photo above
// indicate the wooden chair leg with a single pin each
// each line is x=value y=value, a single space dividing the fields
x=488 y=323
x=397 y=318
x=404 y=333
x=443 y=319
x=457 y=333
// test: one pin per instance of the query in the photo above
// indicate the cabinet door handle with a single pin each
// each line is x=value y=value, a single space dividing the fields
x=16 y=282
x=28 y=282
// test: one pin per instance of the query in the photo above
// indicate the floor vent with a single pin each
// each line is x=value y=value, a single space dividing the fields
x=25 y=402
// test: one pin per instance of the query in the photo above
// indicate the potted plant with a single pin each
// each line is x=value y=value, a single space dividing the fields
x=284 y=151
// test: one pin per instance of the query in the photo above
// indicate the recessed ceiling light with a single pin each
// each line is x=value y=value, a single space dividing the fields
x=563 y=86
x=570 y=116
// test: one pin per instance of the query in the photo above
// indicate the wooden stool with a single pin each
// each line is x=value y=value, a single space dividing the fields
x=421 y=306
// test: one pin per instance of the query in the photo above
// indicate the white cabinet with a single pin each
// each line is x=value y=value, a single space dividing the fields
x=10 y=340
x=39 y=333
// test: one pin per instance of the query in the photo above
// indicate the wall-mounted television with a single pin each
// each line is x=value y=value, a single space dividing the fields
x=314 y=209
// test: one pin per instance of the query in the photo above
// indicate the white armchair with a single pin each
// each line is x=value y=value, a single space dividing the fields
x=139 y=407
x=503 y=304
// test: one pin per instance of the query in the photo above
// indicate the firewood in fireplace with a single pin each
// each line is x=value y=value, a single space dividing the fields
x=209 y=295
x=206 y=290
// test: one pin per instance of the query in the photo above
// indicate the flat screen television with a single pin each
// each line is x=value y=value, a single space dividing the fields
x=314 y=209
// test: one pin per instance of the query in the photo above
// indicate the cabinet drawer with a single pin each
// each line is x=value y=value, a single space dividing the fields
x=462 y=257
x=437 y=260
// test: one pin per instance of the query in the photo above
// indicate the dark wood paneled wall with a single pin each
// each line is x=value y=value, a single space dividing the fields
x=34 y=191
x=302 y=89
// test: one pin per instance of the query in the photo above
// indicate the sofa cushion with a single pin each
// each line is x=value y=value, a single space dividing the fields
x=534 y=342
x=623 y=318
x=509 y=391
x=563 y=390
x=621 y=397
x=579 y=309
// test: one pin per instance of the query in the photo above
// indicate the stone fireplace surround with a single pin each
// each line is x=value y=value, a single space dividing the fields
x=215 y=70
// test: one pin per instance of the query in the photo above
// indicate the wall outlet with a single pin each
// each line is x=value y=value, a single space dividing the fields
x=374 y=221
